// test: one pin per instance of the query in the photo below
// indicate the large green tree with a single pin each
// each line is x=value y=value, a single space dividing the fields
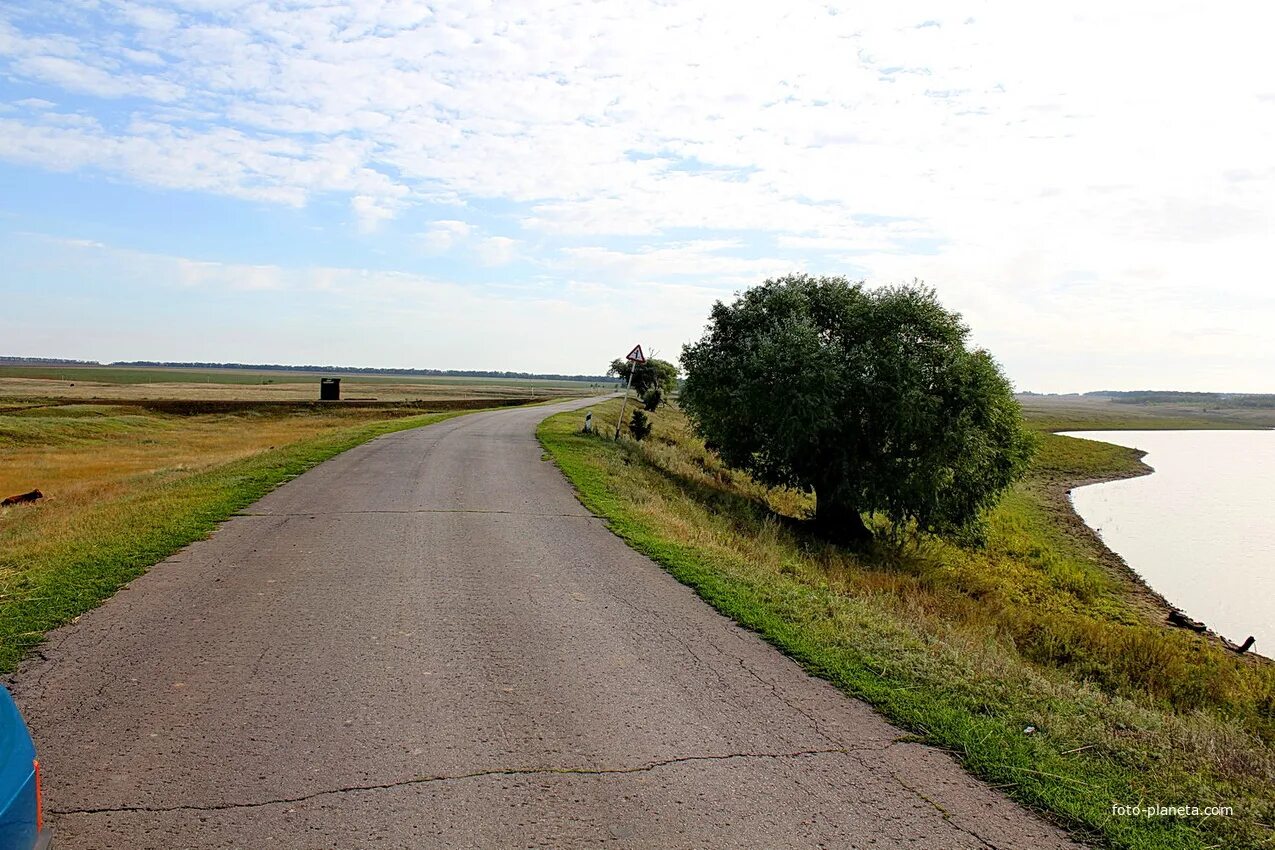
x=654 y=373
x=870 y=398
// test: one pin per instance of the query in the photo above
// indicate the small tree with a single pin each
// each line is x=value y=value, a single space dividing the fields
x=639 y=426
x=869 y=398
x=660 y=374
x=652 y=398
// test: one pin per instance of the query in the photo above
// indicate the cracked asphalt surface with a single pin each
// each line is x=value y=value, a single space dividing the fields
x=428 y=642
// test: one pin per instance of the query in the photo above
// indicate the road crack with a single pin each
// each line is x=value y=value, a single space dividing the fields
x=430 y=780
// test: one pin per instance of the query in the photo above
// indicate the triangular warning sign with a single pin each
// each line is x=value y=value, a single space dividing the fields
x=636 y=355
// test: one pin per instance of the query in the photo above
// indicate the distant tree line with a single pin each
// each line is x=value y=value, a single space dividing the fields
x=1173 y=396
x=47 y=361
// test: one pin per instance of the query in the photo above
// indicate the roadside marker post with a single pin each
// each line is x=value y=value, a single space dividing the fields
x=636 y=357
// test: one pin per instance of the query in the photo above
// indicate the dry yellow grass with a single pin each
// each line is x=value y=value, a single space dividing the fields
x=87 y=454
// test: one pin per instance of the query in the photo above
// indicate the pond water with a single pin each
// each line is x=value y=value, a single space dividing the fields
x=1200 y=530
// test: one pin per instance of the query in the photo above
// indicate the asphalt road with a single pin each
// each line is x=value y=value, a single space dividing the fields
x=428 y=642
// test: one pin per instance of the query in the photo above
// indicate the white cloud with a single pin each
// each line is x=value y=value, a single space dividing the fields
x=81 y=77
x=702 y=259
x=496 y=250
x=446 y=235
x=371 y=211
x=442 y=235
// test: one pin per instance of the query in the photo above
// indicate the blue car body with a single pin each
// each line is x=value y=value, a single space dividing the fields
x=20 y=815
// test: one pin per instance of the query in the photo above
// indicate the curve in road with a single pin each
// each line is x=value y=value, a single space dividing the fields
x=428 y=642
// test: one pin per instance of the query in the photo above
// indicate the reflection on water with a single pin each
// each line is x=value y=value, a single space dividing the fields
x=1201 y=529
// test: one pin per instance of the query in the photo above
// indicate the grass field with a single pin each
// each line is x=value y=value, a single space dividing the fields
x=968 y=649
x=1078 y=413
x=90 y=383
x=126 y=487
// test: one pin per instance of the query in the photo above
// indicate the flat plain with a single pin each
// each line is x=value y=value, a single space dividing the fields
x=1083 y=413
x=87 y=383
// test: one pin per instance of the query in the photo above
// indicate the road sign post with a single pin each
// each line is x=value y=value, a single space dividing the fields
x=636 y=358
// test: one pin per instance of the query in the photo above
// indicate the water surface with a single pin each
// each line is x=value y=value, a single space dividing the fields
x=1200 y=529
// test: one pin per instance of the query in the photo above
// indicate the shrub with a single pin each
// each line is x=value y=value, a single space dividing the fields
x=640 y=426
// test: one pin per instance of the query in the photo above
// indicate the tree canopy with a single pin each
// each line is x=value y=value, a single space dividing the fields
x=660 y=374
x=870 y=398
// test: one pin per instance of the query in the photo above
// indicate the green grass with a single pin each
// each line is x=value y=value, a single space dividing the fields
x=58 y=428
x=48 y=576
x=966 y=648
x=1072 y=457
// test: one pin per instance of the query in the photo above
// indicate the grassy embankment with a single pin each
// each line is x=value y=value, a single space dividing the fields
x=127 y=487
x=967 y=649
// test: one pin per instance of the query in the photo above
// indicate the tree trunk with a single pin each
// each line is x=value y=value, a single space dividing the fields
x=837 y=519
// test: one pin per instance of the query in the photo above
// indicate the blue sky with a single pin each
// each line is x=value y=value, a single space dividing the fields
x=539 y=185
